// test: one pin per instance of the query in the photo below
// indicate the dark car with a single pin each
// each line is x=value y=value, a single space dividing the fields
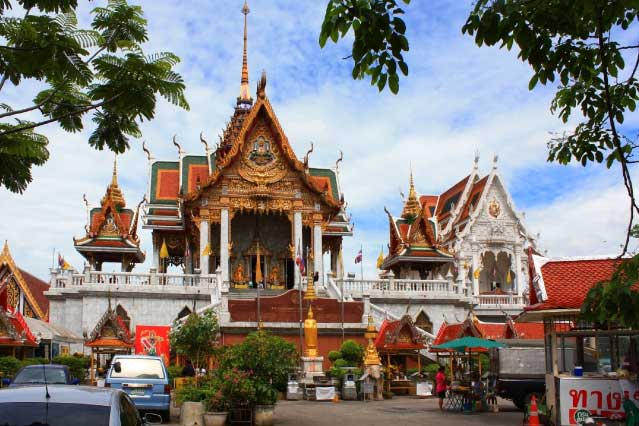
x=35 y=374
x=60 y=405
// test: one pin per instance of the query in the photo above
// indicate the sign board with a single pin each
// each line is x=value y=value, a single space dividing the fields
x=597 y=397
x=424 y=389
x=153 y=340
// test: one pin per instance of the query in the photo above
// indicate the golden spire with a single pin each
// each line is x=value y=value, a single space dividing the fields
x=411 y=206
x=113 y=190
x=244 y=97
x=310 y=281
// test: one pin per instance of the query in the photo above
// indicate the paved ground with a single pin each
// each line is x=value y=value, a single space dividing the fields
x=399 y=411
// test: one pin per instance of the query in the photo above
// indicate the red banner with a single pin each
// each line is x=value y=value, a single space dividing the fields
x=153 y=340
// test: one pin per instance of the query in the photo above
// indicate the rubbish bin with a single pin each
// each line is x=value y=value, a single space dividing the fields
x=293 y=391
x=349 y=388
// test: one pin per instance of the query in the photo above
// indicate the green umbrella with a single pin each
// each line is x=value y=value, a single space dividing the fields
x=469 y=343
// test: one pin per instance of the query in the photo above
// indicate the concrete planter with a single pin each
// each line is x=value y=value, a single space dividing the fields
x=263 y=415
x=215 y=418
x=191 y=414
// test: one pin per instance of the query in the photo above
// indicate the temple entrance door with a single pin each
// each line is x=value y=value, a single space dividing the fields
x=290 y=273
x=254 y=269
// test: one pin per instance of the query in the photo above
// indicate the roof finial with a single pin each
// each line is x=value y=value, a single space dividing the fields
x=245 y=98
x=114 y=179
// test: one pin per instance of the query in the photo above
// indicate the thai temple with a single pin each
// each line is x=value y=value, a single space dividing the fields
x=247 y=222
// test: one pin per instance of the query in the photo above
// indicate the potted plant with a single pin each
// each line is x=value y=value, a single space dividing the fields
x=267 y=360
x=228 y=388
x=192 y=399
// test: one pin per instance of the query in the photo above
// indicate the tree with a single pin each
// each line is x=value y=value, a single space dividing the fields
x=196 y=337
x=101 y=71
x=379 y=39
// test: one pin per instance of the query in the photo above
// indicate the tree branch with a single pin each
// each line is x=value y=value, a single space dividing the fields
x=31 y=108
x=51 y=120
x=615 y=136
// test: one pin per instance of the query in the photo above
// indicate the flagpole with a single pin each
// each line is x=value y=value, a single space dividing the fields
x=361 y=263
x=53 y=258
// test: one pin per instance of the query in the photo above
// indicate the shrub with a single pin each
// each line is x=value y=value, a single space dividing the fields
x=9 y=366
x=196 y=337
x=174 y=371
x=194 y=393
x=334 y=355
x=339 y=363
x=33 y=361
x=77 y=366
x=352 y=352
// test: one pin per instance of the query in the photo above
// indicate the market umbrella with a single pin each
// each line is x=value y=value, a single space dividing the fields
x=469 y=343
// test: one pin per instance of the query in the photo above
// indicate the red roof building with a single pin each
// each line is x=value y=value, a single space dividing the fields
x=564 y=283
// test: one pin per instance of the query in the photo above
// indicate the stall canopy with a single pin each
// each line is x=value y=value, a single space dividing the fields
x=467 y=344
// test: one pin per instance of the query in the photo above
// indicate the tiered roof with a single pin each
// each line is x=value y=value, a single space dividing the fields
x=33 y=288
x=441 y=219
x=173 y=182
x=563 y=283
x=112 y=229
x=14 y=330
x=398 y=335
x=110 y=332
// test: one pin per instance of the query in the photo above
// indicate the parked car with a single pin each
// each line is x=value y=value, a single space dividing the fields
x=70 y=406
x=34 y=375
x=145 y=379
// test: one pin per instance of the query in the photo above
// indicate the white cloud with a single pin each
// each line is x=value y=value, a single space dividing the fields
x=457 y=99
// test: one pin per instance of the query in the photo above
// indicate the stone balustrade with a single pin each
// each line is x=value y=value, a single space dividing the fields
x=397 y=288
x=133 y=279
x=497 y=301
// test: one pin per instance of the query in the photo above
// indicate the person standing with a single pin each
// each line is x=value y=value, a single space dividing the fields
x=188 y=370
x=440 y=387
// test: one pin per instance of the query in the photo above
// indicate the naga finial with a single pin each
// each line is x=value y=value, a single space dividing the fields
x=146 y=150
x=339 y=160
x=177 y=145
x=476 y=160
x=308 y=153
x=495 y=159
x=261 y=86
x=206 y=145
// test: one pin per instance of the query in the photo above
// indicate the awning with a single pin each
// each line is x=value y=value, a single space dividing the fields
x=47 y=331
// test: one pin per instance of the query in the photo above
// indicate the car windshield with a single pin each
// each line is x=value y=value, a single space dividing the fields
x=139 y=368
x=36 y=375
x=53 y=414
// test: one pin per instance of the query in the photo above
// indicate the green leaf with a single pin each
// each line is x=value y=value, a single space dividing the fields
x=533 y=82
x=393 y=83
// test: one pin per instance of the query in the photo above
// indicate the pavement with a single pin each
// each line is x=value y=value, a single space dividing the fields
x=398 y=411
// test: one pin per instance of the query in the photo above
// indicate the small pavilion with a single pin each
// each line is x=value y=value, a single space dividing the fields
x=109 y=337
x=399 y=344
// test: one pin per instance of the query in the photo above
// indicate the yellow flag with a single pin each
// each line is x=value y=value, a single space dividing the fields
x=258 y=269
x=66 y=265
x=476 y=273
x=380 y=259
x=207 y=250
x=164 y=250
x=508 y=278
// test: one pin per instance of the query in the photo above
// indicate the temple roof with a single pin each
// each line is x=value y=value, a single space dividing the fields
x=112 y=229
x=563 y=283
x=474 y=327
x=14 y=330
x=110 y=331
x=32 y=287
x=398 y=335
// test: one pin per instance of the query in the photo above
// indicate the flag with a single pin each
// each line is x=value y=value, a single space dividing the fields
x=359 y=256
x=509 y=279
x=164 y=251
x=63 y=264
x=258 y=269
x=380 y=259
x=207 y=250
x=299 y=261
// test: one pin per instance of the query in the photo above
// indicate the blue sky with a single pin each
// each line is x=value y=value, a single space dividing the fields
x=457 y=99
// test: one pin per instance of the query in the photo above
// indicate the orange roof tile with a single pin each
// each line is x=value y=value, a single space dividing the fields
x=37 y=287
x=447 y=195
x=567 y=282
x=473 y=198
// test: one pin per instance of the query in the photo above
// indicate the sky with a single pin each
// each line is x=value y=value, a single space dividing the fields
x=458 y=99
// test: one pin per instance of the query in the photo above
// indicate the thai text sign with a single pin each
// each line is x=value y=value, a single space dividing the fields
x=153 y=340
x=601 y=397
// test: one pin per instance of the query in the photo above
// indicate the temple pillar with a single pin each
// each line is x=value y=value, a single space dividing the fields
x=334 y=254
x=224 y=243
x=475 y=267
x=318 y=264
x=204 y=241
x=298 y=243
x=518 y=272
x=156 y=254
